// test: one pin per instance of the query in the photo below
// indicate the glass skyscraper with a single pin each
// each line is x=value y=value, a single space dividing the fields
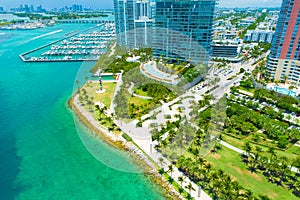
x=174 y=29
x=133 y=23
x=284 y=59
x=183 y=29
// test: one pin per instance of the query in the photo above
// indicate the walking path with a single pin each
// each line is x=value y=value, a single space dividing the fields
x=118 y=87
x=136 y=95
x=142 y=136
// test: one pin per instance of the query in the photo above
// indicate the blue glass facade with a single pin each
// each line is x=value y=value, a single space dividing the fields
x=188 y=24
x=174 y=29
x=133 y=22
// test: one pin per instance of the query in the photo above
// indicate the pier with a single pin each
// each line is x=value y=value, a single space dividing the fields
x=76 y=46
x=46 y=45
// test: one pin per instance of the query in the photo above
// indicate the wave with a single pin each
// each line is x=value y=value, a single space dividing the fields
x=40 y=36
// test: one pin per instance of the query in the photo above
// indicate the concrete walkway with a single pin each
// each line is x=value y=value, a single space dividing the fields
x=118 y=87
x=142 y=136
x=136 y=95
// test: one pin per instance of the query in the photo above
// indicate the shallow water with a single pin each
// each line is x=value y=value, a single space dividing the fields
x=41 y=154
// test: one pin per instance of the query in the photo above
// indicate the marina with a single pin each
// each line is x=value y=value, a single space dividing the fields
x=87 y=45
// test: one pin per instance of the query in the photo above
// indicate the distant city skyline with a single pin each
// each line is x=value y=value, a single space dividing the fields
x=109 y=3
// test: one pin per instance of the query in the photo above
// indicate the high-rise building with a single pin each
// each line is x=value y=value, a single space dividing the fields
x=27 y=9
x=77 y=8
x=39 y=8
x=259 y=36
x=133 y=21
x=183 y=29
x=31 y=8
x=284 y=59
x=174 y=29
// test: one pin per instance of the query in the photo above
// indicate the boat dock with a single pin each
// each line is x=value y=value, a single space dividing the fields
x=84 y=21
x=87 y=45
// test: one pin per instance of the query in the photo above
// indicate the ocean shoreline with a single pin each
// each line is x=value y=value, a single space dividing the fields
x=120 y=143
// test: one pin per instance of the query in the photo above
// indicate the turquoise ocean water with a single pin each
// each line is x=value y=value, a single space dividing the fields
x=41 y=154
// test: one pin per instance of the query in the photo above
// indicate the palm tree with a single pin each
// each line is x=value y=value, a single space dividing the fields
x=249 y=195
x=171 y=169
x=170 y=180
x=201 y=161
x=271 y=150
x=161 y=171
x=208 y=167
x=291 y=87
x=181 y=180
x=248 y=150
x=276 y=83
x=161 y=161
x=285 y=78
x=257 y=153
x=190 y=188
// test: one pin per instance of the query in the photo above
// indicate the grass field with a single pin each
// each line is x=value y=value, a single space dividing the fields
x=105 y=97
x=230 y=162
x=140 y=92
x=291 y=153
x=138 y=101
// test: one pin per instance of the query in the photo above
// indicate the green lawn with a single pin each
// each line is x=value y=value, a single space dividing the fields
x=230 y=162
x=140 y=92
x=141 y=105
x=177 y=186
x=291 y=153
x=105 y=97
x=246 y=91
x=138 y=101
x=293 y=150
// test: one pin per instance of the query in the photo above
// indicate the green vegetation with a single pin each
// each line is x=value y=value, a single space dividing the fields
x=5 y=23
x=215 y=181
x=88 y=97
x=130 y=107
x=231 y=163
x=193 y=72
x=260 y=49
x=284 y=102
x=126 y=137
x=171 y=127
x=274 y=168
x=291 y=153
x=117 y=61
x=90 y=89
x=174 y=184
x=253 y=26
x=139 y=107
x=33 y=16
x=247 y=84
x=105 y=120
x=107 y=58
x=157 y=91
x=223 y=173
x=243 y=121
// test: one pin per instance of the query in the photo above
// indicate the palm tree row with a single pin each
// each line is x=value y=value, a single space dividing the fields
x=275 y=169
x=219 y=184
